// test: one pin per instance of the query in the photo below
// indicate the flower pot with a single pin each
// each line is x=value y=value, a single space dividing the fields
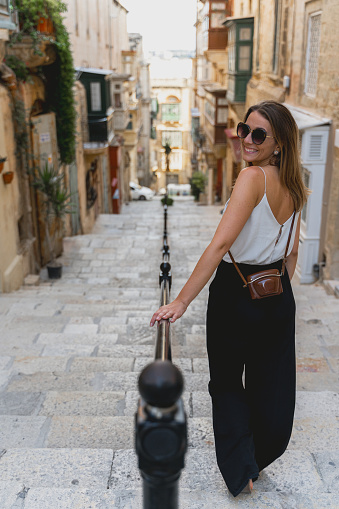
x=8 y=177
x=54 y=271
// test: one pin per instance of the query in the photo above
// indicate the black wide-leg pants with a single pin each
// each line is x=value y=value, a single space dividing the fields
x=252 y=414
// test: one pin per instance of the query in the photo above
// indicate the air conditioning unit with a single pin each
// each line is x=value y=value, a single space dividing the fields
x=314 y=146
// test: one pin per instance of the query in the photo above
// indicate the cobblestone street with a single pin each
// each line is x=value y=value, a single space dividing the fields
x=71 y=352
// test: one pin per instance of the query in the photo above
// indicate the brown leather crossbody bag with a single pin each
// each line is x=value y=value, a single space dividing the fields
x=265 y=283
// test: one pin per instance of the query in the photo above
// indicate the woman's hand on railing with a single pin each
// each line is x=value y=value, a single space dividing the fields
x=170 y=312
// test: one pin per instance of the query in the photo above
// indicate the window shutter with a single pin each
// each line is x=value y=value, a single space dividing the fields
x=312 y=54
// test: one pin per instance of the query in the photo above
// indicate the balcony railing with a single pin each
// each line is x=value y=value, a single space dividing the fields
x=121 y=119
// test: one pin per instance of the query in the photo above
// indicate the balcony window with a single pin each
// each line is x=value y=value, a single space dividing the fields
x=95 y=96
x=244 y=58
x=222 y=115
x=210 y=111
x=170 y=112
x=174 y=138
x=240 y=51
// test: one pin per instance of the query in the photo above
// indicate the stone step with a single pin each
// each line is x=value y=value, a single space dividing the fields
x=104 y=478
x=87 y=432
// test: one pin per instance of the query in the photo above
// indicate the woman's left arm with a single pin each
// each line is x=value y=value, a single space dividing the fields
x=243 y=200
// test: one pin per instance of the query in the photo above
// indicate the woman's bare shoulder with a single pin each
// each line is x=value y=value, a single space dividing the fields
x=251 y=172
x=251 y=176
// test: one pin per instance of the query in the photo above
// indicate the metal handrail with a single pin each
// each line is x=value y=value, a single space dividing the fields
x=161 y=425
x=163 y=349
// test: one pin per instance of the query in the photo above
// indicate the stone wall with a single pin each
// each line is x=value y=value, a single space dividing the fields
x=98 y=33
x=11 y=261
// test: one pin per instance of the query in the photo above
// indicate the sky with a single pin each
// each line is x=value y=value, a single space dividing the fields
x=163 y=24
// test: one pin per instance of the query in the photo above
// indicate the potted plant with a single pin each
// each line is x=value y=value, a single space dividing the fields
x=2 y=163
x=8 y=176
x=49 y=181
x=167 y=200
x=198 y=183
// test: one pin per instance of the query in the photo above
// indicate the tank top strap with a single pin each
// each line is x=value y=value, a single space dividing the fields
x=264 y=175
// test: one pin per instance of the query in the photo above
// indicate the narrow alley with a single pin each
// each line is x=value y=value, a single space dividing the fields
x=71 y=352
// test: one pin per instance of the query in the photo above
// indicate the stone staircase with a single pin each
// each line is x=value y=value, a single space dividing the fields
x=70 y=355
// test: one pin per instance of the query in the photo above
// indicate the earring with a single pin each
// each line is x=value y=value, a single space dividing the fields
x=276 y=152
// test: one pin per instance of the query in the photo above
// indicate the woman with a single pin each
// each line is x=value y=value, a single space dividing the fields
x=252 y=420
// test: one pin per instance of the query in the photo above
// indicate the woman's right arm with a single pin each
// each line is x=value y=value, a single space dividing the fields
x=243 y=200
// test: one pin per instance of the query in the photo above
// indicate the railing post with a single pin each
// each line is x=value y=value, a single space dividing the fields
x=165 y=249
x=165 y=274
x=161 y=434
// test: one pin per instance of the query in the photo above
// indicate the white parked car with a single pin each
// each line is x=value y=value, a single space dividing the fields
x=140 y=192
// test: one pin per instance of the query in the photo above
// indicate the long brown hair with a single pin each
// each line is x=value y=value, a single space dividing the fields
x=286 y=133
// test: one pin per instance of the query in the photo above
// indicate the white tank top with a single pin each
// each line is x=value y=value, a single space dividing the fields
x=262 y=240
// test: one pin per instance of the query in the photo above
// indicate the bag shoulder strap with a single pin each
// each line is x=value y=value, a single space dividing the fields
x=236 y=266
x=284 y=259
x=288 y=243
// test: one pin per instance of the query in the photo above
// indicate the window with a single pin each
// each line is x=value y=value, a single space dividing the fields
x=240 y=51
x=170 y=112
x=174 y=138
x=7 y=16
x=244 y=34
x=130 y=123
x=218 y=6
x=244 y=62
x=210 y=110
x=217 y=19
x=312 y=53
x=175 y=161
x=222 y=115
x=117 y=101
x=231 y=58
x=95 y=91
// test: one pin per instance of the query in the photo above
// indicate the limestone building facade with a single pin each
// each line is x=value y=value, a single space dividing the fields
x=210 y=111
x=172 y=127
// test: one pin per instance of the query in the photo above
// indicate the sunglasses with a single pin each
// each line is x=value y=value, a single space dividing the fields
x=259 y=134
